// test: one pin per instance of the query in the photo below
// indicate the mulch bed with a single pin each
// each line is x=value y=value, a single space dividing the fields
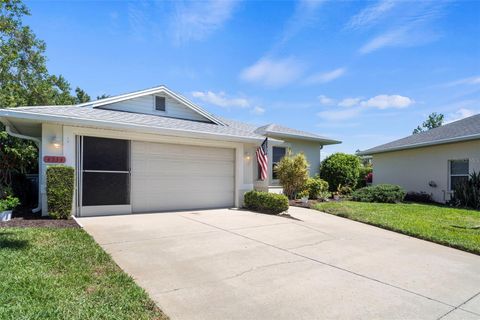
x=24 y=218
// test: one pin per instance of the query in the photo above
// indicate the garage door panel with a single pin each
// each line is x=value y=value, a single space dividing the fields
x=176 y=177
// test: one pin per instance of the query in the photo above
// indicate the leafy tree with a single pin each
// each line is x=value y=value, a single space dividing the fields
x=340 y=170
x=434 y=120
x=25 y=81
x=292 y=171
x=81 y=96
x=103 y=96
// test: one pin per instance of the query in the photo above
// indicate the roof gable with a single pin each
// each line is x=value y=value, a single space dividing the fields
x=120 y=103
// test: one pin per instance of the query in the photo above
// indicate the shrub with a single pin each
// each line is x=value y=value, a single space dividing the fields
x=60 y=183
x=292 y=171
x=315 y=186
x=467 y=194
x=387 y=193
x=340 y=169
x=365 y=176
x=419 y=197
x=9 y=203
x=265 y=202
x=324 y=195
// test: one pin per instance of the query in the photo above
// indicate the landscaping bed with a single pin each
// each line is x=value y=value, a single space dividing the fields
x=457 y=228
x=61 y=273
x=24 y=218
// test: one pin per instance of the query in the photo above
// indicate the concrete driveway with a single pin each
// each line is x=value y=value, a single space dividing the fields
x=228 y=264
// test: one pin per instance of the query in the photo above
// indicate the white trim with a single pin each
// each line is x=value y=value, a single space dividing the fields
x=450 y=175
x=94 y=211
x=323 y=140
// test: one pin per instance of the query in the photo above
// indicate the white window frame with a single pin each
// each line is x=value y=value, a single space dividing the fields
x=450 y=175
x=155 y=104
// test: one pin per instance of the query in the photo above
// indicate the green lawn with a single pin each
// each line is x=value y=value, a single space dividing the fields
x=448 y=226
x=48 y=273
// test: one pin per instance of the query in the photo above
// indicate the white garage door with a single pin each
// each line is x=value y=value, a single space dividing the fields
x=179 y=177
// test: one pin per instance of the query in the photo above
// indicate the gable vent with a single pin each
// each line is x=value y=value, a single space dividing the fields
x=159 y=103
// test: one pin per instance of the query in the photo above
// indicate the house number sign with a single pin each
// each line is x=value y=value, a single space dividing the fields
x=54 y=159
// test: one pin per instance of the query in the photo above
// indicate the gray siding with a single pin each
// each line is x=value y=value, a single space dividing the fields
x=146 y=105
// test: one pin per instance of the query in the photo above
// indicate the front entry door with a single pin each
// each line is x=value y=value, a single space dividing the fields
x=104 y=176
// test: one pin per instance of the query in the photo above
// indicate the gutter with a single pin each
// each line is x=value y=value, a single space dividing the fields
x=422 y=144
x=325 y=141
x=38 y=143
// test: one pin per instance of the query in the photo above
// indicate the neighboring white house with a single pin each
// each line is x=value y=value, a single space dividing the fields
x=153 y=150
x=431 y=161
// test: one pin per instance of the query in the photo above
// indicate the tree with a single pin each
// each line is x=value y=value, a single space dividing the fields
x=340 y=170
x=103 y=96
x=434 y=120
x=292 y=171
x=81 y=96
x=25 y=81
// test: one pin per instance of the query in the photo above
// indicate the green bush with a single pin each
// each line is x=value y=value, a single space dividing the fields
x=467 y=194
x=362 y=177
x=265 y=202
x=340 y=169
x=9 y=203
x=60 y=183
x=292 y=171
x=387 y=193
x=315 y=186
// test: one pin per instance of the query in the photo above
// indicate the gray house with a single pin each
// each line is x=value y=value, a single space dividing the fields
x=431 y=161
x=154 y=150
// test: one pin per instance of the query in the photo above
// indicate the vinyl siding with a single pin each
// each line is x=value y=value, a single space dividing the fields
x=146 y=105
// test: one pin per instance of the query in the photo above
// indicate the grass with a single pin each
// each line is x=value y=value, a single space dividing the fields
x=52 y=273
x=444 y=225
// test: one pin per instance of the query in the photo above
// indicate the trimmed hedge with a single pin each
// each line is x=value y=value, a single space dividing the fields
x=384 y=193
x=60 y=184
x=340 y=169
x=265 y=202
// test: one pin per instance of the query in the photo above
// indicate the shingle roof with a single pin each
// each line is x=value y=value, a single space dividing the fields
x=281 y=131
x=461 y=130
x=105 y=117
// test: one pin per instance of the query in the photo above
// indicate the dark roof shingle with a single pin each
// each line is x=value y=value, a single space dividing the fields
x=465 y=129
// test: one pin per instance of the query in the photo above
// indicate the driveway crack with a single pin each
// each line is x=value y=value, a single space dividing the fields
x=460 y=305
x=237 y=275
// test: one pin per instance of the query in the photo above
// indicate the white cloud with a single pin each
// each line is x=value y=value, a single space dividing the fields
x=371 y=14
x=325 y=76
x=197 y=20
x=303 y=16
x=384 y=101
x=258 y=111
x=273 y=73
x=349 y=102
x=220 y=99
x=353 y=107
x=460 y=114
x=326 y=101
x=338 y=115
x=410 y=25
x=465 y=81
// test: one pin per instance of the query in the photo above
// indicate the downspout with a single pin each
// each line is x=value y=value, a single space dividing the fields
x=38 y=143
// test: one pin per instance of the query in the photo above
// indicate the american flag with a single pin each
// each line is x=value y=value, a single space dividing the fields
x=263 y=159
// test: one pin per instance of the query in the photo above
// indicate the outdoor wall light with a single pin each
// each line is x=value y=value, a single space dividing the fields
x=247 y=156
x=56 y=142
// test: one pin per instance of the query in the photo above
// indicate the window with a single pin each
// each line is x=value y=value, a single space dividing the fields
x=277 y=154
x=458 y=172
x=159 y=103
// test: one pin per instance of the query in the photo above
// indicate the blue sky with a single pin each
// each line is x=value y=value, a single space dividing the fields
x=361 y=72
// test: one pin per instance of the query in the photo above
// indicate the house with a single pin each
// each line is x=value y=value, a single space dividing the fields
x=153 y=150
x=432 y=161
